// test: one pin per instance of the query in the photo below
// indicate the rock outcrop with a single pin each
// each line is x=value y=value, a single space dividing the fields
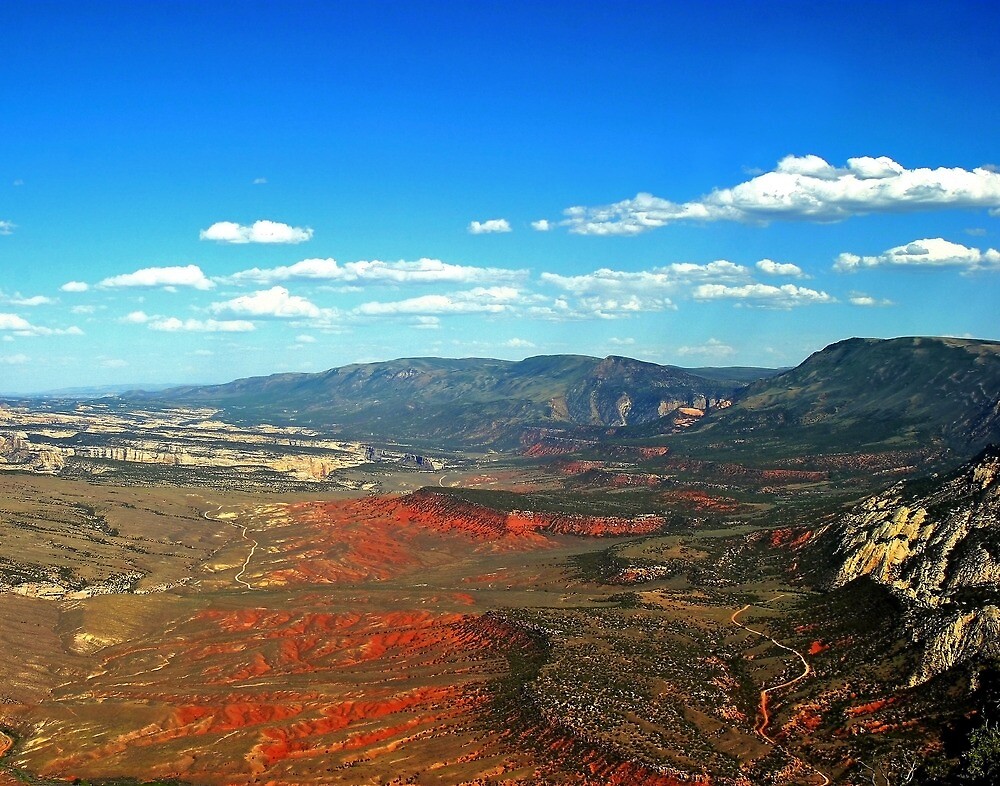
x=936 y=545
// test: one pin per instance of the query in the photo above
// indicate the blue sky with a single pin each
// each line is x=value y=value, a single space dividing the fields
x=194 y=192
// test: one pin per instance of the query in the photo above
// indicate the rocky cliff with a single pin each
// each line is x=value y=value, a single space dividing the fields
x=936 y=545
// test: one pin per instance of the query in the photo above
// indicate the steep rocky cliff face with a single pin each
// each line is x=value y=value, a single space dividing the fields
x=936 y=545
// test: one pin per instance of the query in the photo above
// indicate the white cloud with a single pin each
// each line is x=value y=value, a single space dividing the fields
x=772 y=268
x=260 y=181
x=560 y=309
x=421 y=271
x=930 y=253
x=259 y=232
x=975 y=231
x=517 y=343
x=276 y=302
x=763 y=295
x=22 y=327
x=713 y=348
x=75 y=286
x=489 y=226
x=175 y=325
x=19 y=326
x=803 y=188
x=17 y=299
x=35 y=300
x=861 y=299
x=7 y=227
x=542 y=225
x=186 y=276
x=136 y=318
x=38 y=330
x=426 y=323
x=305 y=339
x=14 y=360
x=621 y=342
x=481 y=300
x=83 y=309
x=661 y=279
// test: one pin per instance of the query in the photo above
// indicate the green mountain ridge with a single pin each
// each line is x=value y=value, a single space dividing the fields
x=938 y=395
x=470 y=402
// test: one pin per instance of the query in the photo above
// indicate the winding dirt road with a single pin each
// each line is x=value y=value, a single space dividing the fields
x=246 y=562
x=762 y=725
x=253 y=547
x=764 y=718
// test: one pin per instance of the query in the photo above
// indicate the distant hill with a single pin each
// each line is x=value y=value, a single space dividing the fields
x=941 y=395
x=471 y=402
x=91 y=391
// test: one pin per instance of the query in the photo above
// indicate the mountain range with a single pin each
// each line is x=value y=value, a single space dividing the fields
x=936 y=395
x=471 y=402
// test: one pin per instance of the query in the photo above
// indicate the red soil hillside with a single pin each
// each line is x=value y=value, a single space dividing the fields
x=448 y=513
x=281 y=696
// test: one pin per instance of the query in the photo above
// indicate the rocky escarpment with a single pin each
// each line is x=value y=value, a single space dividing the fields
x=936 y=545
x=446 y=512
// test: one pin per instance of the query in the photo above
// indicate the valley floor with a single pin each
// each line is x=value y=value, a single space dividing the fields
x=412 y=639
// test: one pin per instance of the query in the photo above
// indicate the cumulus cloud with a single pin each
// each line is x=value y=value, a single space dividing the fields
x=663 y=279
x=276 y=302
x=7 y=227
x=772 y=268
x=376 y=271
x=590 y=307
x=19 y=326
x=34 y=300
x=481 y=300
x=803 y=188
x=259 y=232
x=13 y=322
x=14 y=360
x=489 y=226
x=17 y=299
x=175 y=325
x=713 y=349
x=933 y=252
x=866 y=301
x=426 y=323
x=763 y=295
x=75 y=286
x=136 y=318
x=542 y=225
x=517 y=343
x=149 y=277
